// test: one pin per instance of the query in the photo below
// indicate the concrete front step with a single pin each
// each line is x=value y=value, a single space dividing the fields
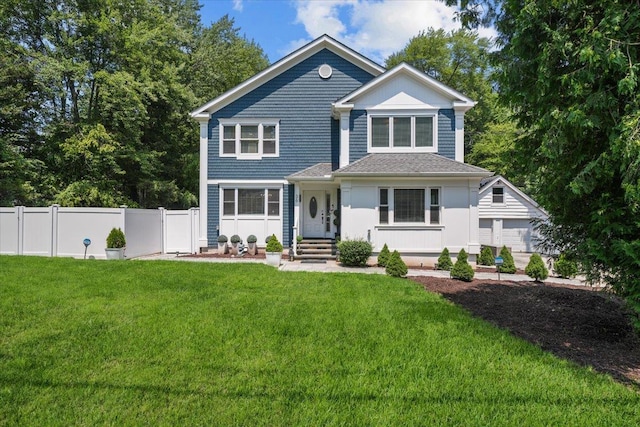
x=316 y=249
x=316 y=256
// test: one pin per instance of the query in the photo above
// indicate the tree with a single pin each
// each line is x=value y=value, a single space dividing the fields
x=396 y=267
x=486 y=256
x=383 y=256
x=508 y=264
x=462 y=270
x=459 y=59
x=570 y=71
x=444 y=260
x=536 y=268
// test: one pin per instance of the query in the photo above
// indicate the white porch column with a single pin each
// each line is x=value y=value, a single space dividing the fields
x=297 y=194
x=203 y=119
x=342 y=112
x=474 y=218
x=459 y=135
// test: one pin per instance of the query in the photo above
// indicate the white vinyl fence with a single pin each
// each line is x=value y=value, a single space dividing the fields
x=59 y=231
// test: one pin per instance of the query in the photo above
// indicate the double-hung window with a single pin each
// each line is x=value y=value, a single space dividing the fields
x=251 y=202
x=498 y=195
x=249 y=139
x=409 y=206
x=402 y=133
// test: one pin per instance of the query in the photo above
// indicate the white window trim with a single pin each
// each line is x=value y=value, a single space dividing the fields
x=392 y=208
x=412 y=149
x=248 y=122
x=504 y=197
x=265 y=188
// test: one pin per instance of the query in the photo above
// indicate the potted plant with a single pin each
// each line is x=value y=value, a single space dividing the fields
x=222 y=244
x=116 y=243
x=274 y=251
x=235 y=239
x=251 y=241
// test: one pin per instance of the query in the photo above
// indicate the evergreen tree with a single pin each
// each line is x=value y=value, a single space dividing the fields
x=486 y=256
x=444 y=260
x=536 y=268
x=462 y=270
x=396 y=267
x=383 y=256
x=508 y=264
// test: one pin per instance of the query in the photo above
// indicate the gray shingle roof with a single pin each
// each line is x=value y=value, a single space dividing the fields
x=317 y=171
x=409 y=164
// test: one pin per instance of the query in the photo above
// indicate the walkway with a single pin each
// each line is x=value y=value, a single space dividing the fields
x=334 y=267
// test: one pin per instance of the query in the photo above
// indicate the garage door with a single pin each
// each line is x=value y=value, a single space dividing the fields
x=485 y=232
x=518 y=234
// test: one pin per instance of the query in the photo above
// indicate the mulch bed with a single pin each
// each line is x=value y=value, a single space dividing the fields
x=589 y=327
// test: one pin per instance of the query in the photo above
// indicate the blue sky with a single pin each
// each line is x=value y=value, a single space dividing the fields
x=375 y=28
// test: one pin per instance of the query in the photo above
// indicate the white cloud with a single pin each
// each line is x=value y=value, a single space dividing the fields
x=237 y=5
x=374 y=28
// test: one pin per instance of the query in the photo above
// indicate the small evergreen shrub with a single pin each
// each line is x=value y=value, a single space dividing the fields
x=508 y=265
x=486 y=256
x=565 y=267
x=235 y=239
x=273 y=245
x=252 y=239
x=222 y=239
x=536 y=268
x=299 y=238
x=383 y=256
x=396 y=266
x=444 y=261
x=354 y=252
x=115 y=239
x=462 y=269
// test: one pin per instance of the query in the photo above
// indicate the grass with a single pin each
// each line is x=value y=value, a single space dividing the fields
x=167 y=343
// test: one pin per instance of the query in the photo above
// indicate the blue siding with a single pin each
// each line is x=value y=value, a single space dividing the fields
x=447 y=133
x=213 y=212
x=357 y=135
x=301 y=100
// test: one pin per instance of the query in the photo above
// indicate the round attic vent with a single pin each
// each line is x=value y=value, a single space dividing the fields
x=325 y=71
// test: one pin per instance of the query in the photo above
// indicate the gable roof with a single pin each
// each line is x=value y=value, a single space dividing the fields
x=277 y=68
x=410 y=164
x=460 y=101
x=490 y=182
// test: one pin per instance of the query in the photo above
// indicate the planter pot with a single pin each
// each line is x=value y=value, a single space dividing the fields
x=274 y=258
x=222 y=248
x=253 y=249
x=234 y=249
x=114 y=253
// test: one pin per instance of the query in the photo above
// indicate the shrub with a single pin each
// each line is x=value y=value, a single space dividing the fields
x=116 y=239
x=444 y=261
x=565 y=267
x=536 y=268
x=299 y=238
x=462 y=269
x=396 y=266
x=486 y=256
x=273 y=245
x=235 y=239
x=508 y=265
x=222 y=239
x=354 y=252
x=383 y=256
x=252 y=239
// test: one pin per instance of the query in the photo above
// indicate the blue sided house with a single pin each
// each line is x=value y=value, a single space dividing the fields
x=326 y=142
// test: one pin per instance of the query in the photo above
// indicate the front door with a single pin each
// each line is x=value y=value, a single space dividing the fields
x=315 y=221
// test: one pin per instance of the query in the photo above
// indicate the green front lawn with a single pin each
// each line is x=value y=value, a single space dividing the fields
x=179 y=343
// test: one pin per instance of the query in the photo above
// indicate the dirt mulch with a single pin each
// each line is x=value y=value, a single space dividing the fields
x=589 y=327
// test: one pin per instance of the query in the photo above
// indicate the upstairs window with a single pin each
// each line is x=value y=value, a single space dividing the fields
x=402 y=133
x=249 y=140
x=498 y=195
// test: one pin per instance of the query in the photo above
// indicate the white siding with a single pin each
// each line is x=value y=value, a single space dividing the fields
x=514 y=206
x=402 y=92
x=458 y=226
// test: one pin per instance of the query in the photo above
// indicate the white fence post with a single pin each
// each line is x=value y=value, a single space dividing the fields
x=53 y=210
x=163 y=229
x=20 y=215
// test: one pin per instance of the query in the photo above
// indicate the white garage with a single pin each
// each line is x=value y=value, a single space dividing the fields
x=506 y=215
